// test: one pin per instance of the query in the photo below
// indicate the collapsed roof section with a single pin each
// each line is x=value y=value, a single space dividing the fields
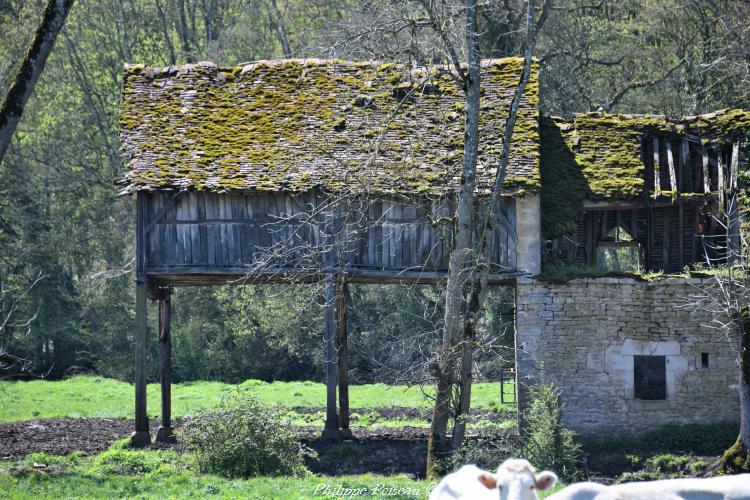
x=618 y=156
x=294 y=125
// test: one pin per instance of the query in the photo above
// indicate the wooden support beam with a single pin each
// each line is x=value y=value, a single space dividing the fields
x=694 y=247
x=331 y=430
x=681 y=235
x=719 y=171
x=686 y=170
x=141 y=437
x=665 y=240
x=670 y=162
x=649 y=237
x=165 y=433
x=735 y=165
x=706 y=176
x=734 y=248
x=589 y=238
x=168 y=205
x=343 y=359
x=657 y=181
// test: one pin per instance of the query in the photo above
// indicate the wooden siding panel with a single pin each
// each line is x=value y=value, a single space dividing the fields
x=210 y=230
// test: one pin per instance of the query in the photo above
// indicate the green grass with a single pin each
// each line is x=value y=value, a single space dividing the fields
x=164 y=474
x=159 y=474
x=88 y=396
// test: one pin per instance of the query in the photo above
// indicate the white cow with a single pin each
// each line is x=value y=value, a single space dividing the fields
x=514 y=480
x=714 y=488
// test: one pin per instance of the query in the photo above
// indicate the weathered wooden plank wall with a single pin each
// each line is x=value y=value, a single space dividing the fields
x=667 y=234
x=218 y=231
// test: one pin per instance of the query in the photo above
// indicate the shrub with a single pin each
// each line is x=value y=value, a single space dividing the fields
x=244 y=438
x=547 y=443
x=643 y=475
x=487 y=451
x=667 y=462
x=698 y=466
x=134 y=463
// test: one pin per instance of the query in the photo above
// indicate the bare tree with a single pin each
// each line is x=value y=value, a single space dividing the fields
x=468 y=263
x=726 y=300
x=31 y=69
x=11 y=299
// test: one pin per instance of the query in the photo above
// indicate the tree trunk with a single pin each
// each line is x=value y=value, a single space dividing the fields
x=280 y=26
x=343 y=359
x=479 y=285
x=438 y=447
x=31 y=68
x=737 y=458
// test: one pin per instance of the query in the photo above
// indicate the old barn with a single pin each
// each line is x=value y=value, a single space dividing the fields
x=309 y=170
x=302 y=171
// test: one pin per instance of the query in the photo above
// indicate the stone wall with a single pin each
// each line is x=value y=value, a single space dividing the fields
x=584 y=334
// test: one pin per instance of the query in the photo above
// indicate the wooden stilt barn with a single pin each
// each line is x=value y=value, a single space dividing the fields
x=305 y=171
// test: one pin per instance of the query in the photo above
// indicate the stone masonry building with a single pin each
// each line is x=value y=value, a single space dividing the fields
x=347 y=172
x=588 y=335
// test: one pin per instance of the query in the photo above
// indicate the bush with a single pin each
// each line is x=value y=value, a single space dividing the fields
x=667 y=462
x=244 y=438
x=121 y=462
x=547 y=443
x=487 y=451
x=643 y=475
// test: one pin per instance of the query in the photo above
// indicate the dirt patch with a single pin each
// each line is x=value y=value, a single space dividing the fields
x=61 y=436
x=395 y=413
x=383 y=450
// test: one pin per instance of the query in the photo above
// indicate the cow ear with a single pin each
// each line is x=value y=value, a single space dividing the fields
x=545 y=480
x=488 y=481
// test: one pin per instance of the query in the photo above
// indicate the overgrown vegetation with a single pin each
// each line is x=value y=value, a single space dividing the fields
x=244 y=438
x=547 y=443
x=694 y=439
x=164 y=474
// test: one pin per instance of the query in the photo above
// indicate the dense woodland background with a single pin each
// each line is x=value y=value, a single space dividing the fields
x=67 y=242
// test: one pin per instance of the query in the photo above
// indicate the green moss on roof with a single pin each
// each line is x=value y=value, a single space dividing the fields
x=598 y=156
x=607 y=147
x=298 y=124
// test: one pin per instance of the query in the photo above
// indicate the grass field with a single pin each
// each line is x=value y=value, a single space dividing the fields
x=160 y=474
x=120 y=473
x=165 y=474
x=88 y=396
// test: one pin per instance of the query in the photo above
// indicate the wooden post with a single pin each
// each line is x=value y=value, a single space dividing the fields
x=735 y=165
x=681 y=234
x=665 y=239
x=706 y=176
x=343 y=359
x=657 y=180
x=670 y=162
x=687 y=169
x=141 y=437
x=719 y=170
x=165 y=433
x=329 y=226
x=331 y=430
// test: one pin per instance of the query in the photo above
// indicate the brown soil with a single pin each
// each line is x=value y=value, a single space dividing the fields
x=61 y=436
x=380 y=450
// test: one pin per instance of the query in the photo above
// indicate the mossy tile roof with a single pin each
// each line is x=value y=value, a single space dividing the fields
x=294 y=125
x=606 y=149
